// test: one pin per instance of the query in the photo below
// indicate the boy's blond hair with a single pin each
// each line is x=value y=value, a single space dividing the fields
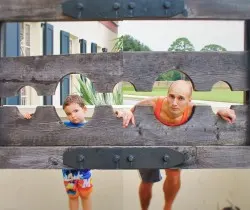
x=76 y=99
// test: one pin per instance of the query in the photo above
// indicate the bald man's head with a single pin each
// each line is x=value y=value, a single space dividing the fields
x=182 y=86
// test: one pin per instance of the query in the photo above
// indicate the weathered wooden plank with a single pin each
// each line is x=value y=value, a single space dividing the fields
x=107 y=69
x=203 y=68
x=223 y=157
x=42 y=10
x=44 y=72
x=195 y=157
x=218 y=9
x=31 y=157
x=104 y=129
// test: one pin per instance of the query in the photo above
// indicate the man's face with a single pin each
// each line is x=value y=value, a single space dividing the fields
x=178 y=98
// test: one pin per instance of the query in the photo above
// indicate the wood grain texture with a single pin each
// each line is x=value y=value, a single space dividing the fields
x=104 y=129
x=226 y=156
x=195 y=157
x=105 y=70
x=203 y=68
x=48 y=10
x=218 y=9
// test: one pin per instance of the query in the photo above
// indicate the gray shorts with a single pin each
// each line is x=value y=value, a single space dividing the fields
x=150 y=175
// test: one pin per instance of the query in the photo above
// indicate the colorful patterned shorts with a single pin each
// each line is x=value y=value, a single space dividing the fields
x=77 y=182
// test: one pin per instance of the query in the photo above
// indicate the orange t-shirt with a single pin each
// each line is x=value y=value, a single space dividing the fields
x=158 y=111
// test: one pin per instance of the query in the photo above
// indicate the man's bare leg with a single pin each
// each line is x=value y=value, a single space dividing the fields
x=145 y=194
x=171 y=187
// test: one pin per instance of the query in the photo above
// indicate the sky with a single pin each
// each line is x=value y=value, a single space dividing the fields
x=159 y=35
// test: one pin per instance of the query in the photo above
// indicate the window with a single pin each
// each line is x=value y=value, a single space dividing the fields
x=25 y=39
x=23 y=94
x=24 y=51
x=70 y=46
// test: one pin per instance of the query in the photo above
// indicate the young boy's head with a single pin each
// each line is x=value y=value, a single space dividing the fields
x=74 y=108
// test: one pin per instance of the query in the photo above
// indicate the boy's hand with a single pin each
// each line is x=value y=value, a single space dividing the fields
x=227 y=114
x=27 y=116
x=127 y=117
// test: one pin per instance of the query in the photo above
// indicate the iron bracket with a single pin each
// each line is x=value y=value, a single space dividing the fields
x=122 y=158
x=120 y=9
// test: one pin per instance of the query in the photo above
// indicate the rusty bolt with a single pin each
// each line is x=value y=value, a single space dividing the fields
x=131 y=158
x=79 y=6
x=116 y=158
x=131 y=5
x=116 y=6
x=80 y=158
x=165 y=158
x=167 y=4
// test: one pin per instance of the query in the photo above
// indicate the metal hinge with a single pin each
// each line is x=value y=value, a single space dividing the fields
x=122 y=158
x=118 y=9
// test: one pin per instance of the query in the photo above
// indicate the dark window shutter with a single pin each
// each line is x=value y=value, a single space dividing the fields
x=93 y=47
x=11 y=48
x=64 y=49
x=83 y=50
x=83 y=46
x=48 y=49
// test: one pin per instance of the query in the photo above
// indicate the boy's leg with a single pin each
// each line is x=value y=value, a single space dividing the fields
x=70 y=184
x=148 y=176
x=87 y=200
x=85 y=188
x=171 y=187
x=71 y=189
x=73 y=203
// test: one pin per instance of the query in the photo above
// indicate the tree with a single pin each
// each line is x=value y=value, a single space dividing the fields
x=181 y=45
x=169 y=76
x=129 y=43
x=213 y=47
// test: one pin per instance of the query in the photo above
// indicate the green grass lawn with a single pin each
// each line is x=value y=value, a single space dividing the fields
x=223 y=95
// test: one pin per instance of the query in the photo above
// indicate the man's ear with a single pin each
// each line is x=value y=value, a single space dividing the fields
x=84 y=108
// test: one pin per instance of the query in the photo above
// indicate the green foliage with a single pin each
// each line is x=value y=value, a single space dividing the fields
x=91 y=97
x=169 y=76
x=118 y=46
x=181 y=45
x=132 y=44
x=213 y=48
x=129 y=43
x=184 y=45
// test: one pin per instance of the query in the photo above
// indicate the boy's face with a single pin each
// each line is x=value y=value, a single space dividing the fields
x=75 y=113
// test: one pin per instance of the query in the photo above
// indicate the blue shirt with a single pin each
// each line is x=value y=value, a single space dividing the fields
x=77 y=173
x=73 y=125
